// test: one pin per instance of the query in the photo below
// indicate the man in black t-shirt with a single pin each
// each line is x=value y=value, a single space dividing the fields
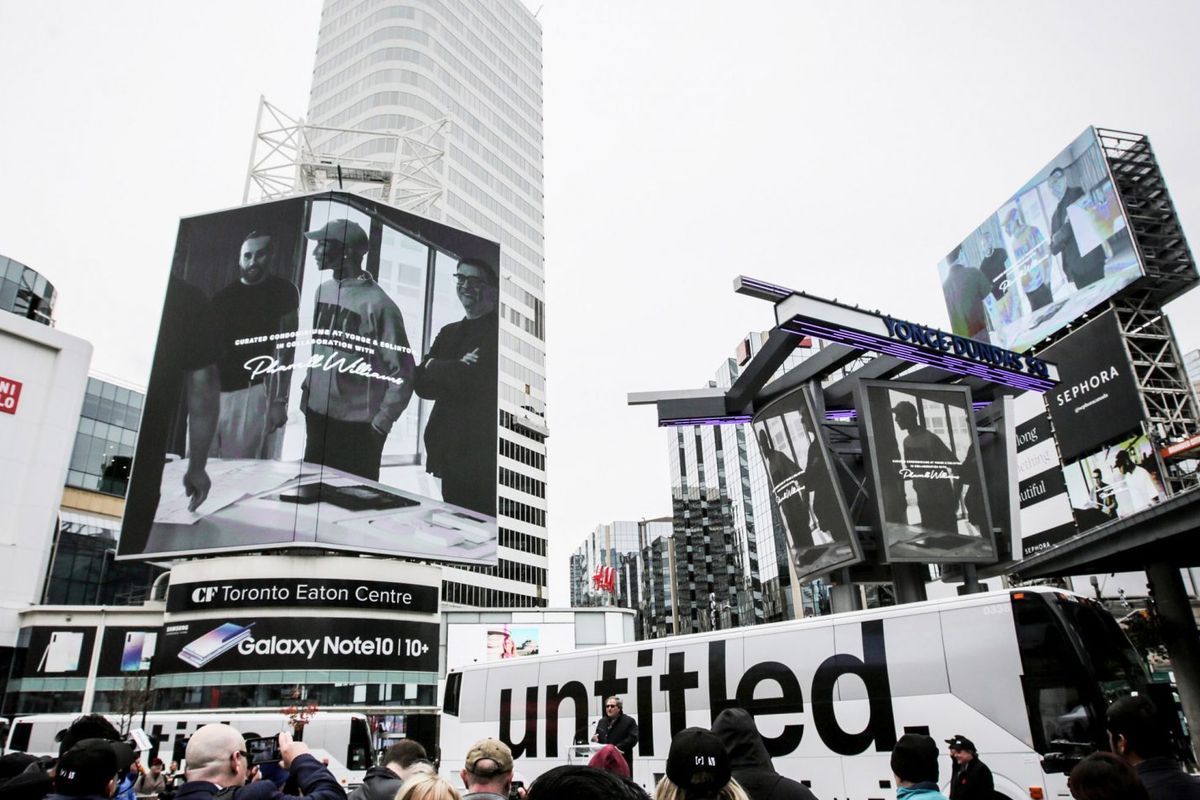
x=255 y=314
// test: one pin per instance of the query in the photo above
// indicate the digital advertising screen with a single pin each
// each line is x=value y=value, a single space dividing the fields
x=925 y=466
x=1044 y=508
x=804 y=487
x=512 y=641
x=127 y=650
x=1096 y=400
x=273 y=643
x=326 y=376
x=1058 y=247
x=1114 y=483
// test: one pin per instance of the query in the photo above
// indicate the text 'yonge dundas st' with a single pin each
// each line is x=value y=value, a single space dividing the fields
x=937 y=339
x=681 y=676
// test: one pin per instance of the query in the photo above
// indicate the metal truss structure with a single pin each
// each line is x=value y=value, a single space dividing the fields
x=402 y=168
x=1169 y=402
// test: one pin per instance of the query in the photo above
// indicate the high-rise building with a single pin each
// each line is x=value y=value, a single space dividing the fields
x=730 y=556
x=637 y=579
x=469 y=73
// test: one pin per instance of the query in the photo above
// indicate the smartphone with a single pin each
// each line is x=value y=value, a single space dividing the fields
x=513 y=793
x=264 y=750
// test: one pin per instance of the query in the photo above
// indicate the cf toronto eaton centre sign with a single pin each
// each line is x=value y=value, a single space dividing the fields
x=805 y=315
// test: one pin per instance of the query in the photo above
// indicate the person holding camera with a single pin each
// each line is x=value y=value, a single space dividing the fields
x=218 y=765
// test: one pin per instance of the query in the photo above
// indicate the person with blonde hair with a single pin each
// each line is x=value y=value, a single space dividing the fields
x=427 y=786
x=698 y=768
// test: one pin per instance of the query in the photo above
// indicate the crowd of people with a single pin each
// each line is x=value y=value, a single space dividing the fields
x=730 y=761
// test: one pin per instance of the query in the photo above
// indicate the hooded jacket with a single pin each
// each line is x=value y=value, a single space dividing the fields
x=750 y=761
x=380 y=783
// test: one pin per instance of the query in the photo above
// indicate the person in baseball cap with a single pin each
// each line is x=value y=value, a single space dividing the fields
x=488 y=771
x=970 y=778
x=89 y=769
x=698 y=768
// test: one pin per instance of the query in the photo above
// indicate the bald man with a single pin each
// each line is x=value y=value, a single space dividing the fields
x=217 y=760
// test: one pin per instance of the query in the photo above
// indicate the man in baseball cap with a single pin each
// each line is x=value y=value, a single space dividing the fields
x=488 y=771
x=89 y=769
x=359 y=378
x=698 y=764
x=970 y=778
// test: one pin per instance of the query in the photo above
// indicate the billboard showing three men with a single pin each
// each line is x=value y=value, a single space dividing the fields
x=325 y=375
x=1055 y=249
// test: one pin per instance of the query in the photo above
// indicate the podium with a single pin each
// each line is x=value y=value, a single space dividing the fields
x=582 y=753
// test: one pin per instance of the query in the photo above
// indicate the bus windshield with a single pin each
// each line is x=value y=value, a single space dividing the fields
x=1115 y=663
x=1074 y=661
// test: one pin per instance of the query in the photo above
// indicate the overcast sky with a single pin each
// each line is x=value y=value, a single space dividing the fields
x=841 y=148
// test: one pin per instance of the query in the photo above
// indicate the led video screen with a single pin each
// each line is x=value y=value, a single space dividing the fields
x=325 y=376
x=929 y=483
x=1115 y=482
x=1055 y=249
x=804 y=486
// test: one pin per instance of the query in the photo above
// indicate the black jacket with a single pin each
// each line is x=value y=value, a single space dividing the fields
x=380 y=783
x=971 y=781
x=1164 y=780
x=750 y=761
x=621 y=732
x=313 y=778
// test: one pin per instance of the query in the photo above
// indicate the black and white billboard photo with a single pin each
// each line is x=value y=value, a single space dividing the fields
x=1116 y=482
x=325 y=376
x=925 y=466
x=1096 y=400
x=1058 y=247
x=804 y=486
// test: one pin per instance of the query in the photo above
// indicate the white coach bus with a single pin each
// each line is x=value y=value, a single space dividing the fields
x=343 y=738
x=1026 y=674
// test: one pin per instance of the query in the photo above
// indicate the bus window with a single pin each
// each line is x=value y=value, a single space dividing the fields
x=1053 y=674
x=19 y=739
x=358 y=753
x=1117 y=667
x=453 y=687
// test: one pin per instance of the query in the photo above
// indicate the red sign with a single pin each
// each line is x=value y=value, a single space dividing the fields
x=10 y=394
x=1190 y=443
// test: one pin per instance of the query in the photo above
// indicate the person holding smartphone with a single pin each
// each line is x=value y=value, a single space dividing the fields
x=218 y=762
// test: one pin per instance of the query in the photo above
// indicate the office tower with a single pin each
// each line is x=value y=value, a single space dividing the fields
x=637 y=579
x=730 y=562
x=466 y=74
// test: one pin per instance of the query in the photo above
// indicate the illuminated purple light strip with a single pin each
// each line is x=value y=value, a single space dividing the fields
x=737 y=419
x=848 y=414
x=908 y=352
x=768 y=288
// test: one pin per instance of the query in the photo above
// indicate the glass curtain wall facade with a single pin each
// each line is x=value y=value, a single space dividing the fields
x=26 y=292
x=731 y=562
x=104 y=442
x=388 y=65
x=626 y=547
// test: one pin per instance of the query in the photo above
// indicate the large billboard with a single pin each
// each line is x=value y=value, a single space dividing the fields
x=318 y=643
x=325 y=376
x=1114 y=483
x=805 y=487
x=1097 y=398
x=1058 y=247
x=925 y=468
x=1044 y=516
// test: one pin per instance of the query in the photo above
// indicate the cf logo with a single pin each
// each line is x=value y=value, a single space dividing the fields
x=204 y=594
